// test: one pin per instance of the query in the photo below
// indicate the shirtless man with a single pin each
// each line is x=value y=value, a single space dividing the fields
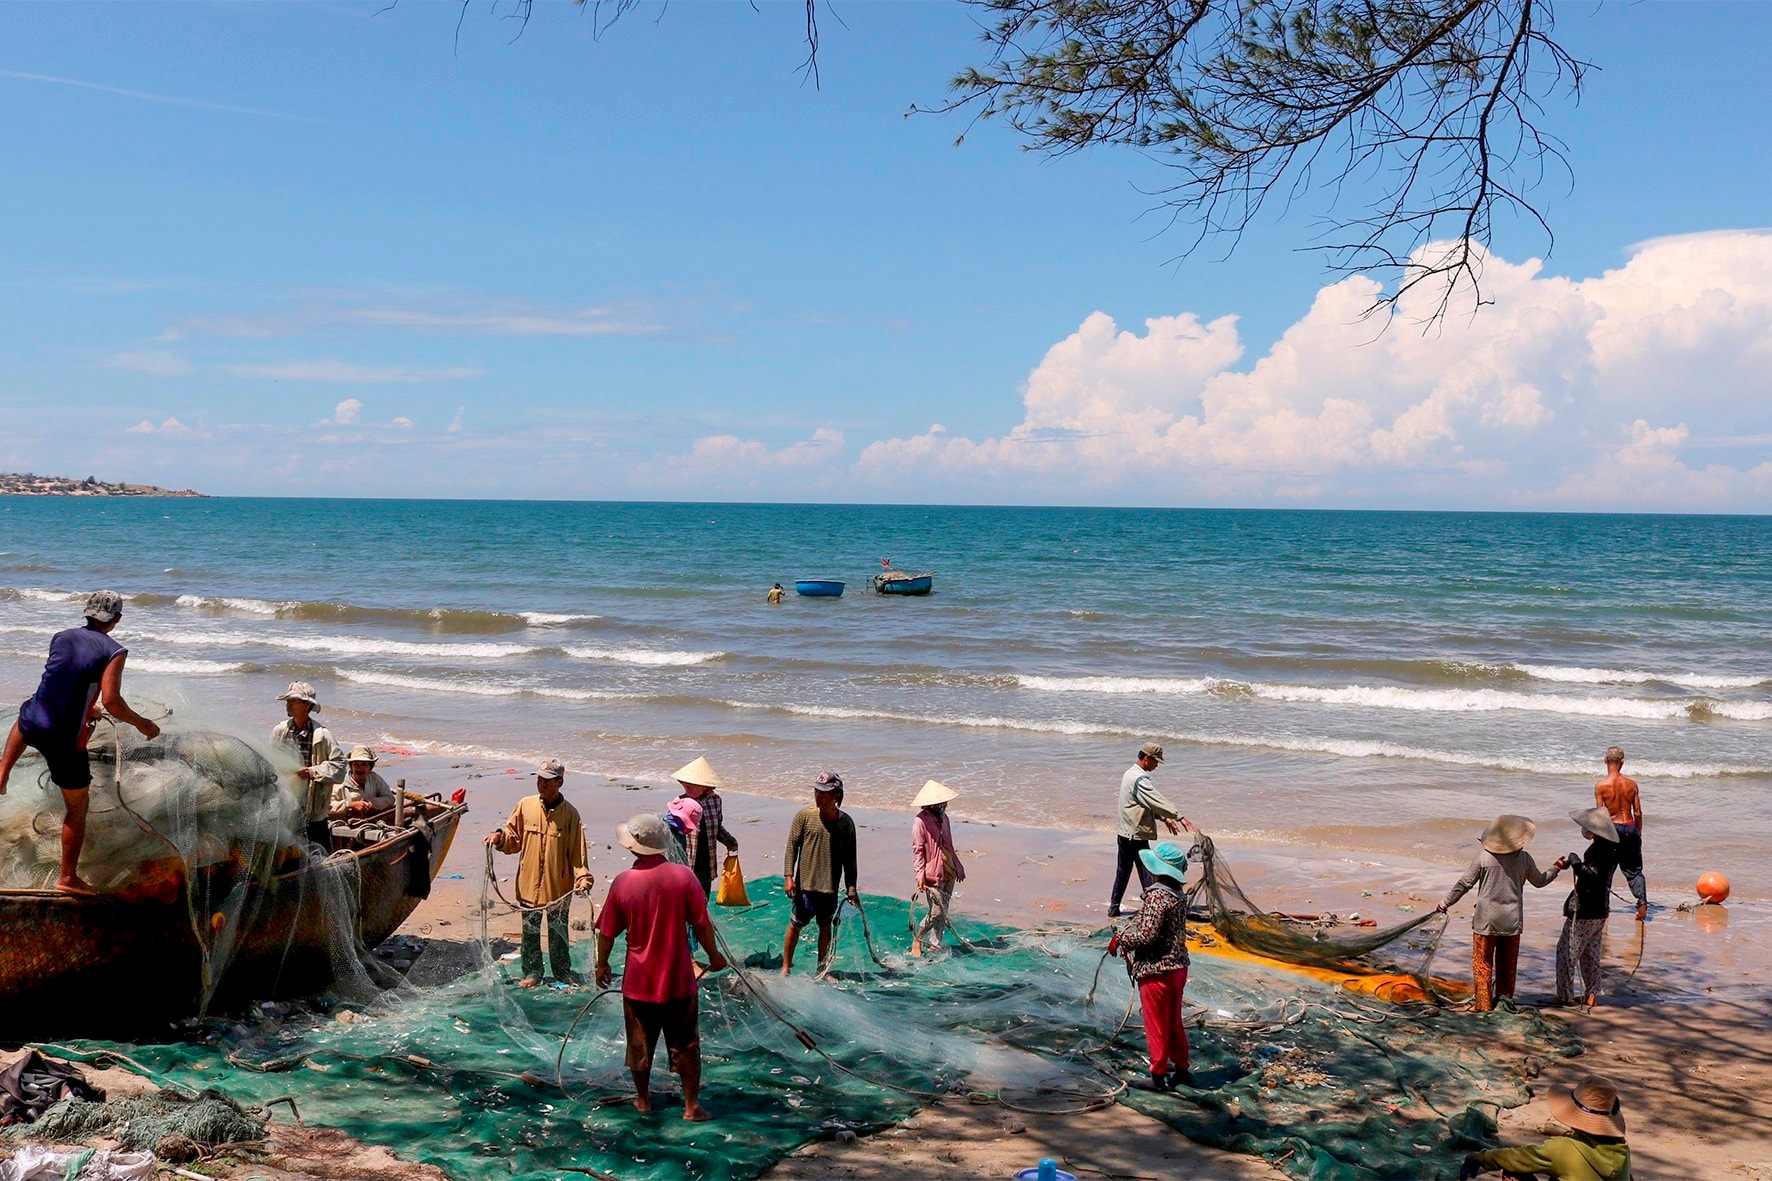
x=1617 y=793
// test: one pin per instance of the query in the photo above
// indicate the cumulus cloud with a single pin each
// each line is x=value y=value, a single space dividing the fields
x=169 y=426
x=346 y=412
x=347 y=371
x=713 y=453
x=158 y=362
x=1508 y=406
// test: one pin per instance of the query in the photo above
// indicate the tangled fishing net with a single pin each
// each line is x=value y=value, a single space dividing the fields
x=478 y=1075
x=146 y=1121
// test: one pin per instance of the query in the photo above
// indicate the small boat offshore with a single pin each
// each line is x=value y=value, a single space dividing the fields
x=819 y=588
x=894 y=583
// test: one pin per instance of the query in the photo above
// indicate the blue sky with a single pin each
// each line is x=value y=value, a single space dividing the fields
x=304 y=249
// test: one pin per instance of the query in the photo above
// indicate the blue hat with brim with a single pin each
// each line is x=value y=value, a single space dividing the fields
x=1167 y=860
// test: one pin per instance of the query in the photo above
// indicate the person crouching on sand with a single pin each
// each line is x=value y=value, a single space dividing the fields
x=549 y=840
x=1584 y=914
x=934 y=863
x=820 y=858
x=83 y=672
x=1595 y=1151
x=655 y=904
x=1499 y=872
x=1154 y=943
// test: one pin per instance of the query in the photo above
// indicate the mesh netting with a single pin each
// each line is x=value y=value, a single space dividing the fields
x=1408 y=947
x=477 y=1075
x=145 y=1121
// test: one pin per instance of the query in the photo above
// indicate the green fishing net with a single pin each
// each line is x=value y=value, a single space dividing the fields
x=469 y=1076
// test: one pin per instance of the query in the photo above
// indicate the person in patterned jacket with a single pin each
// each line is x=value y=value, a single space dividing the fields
x=1154 y=943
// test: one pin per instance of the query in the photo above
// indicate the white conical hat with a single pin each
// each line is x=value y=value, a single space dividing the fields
x=700 y=772
x=934 y=793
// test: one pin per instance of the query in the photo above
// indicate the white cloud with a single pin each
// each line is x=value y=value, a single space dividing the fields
x=714 y=453
x=169 y=426
x=454 y=427
x=347 y=371
x=158 y=362
x=403 y=422
x=347 y=412
x=1494 y=409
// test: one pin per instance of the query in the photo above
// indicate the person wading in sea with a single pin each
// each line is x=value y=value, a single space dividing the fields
x=1618 y=794
x=319 y=763
x=820 y=857
x=655 y=904
x=1141 y=806
x=549 y=840
x=84 y=671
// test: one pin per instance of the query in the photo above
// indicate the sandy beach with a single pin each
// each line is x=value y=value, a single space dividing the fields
x=1683 y=1028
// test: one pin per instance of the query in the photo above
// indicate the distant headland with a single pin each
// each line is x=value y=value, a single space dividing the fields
x=30 y=484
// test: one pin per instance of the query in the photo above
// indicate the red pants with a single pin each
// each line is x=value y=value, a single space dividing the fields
x=1160 y=997
x=1493 y=959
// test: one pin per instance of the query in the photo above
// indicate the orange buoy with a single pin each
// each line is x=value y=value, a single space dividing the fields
x=217 y=921
x=1713 y=887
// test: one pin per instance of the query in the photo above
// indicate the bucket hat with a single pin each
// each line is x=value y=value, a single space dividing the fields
x=360 y=754
x=1590 y=1106
x=1507 y=834
x=300 y=691
x=700 y=772
x=1597 y=821
x=102 y=606
x=644 y=834
x=1167 y=860
x=550 y=769
x=934 y=793
x=686 y=810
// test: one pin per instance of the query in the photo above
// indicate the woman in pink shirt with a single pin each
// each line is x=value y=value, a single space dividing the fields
x=933 y=860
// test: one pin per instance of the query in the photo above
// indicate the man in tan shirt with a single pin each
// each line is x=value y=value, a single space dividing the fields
x=549 y=840
x=1617 y=793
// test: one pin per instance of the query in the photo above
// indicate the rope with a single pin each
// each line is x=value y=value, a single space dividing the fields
x=566 y=1039
x=516 y=907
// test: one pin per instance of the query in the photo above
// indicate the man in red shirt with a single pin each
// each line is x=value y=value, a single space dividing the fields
x=655 y=903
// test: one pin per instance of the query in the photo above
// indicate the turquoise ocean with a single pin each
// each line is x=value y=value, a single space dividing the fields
x=1355 y=680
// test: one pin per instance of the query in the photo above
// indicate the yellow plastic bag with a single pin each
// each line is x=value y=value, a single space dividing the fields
x=731 y=891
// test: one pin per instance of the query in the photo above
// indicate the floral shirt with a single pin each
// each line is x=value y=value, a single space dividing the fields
x=1155 y=941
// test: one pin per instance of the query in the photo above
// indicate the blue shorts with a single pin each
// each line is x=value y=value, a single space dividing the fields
x=815 y=904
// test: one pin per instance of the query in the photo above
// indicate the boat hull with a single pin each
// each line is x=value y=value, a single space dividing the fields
x=819 y=588
x=107 y=964
x=904 y=584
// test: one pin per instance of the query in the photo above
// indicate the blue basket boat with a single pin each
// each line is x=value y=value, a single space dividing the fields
x=893 y=583
x=819 y=588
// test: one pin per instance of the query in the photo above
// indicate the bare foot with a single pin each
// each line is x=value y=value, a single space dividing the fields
x=696 y=1113
x=76 y=885
x=643 y=1103
x=784 y=971
x=528 y=982
x=916 y=947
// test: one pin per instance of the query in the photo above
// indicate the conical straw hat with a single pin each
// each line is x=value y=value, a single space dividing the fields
x=700 y=772
x=934 y=793
x=1507 y=834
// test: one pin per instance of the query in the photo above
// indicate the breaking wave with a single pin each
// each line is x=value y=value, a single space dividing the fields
x=1611 y=676
x=645 y=656
x=481 y=688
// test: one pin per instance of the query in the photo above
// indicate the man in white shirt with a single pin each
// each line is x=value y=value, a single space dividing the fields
x=1141 y=806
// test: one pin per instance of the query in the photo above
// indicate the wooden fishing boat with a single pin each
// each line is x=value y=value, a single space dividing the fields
x=819 y=588
x=86 y=965
x=894 y=583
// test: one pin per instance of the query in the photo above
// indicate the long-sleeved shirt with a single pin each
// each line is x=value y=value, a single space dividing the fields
x=1499 y=880
x=1565 y=1158
x=701 y=838
x=933 y=859
x=821 y=853
x=317 y=752
x=375 y=792
x=550 y=848
x=1593 y=879
x=1155 y=941
x=1142 y=805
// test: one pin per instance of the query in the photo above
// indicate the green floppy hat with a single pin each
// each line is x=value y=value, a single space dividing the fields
x=1167 y=860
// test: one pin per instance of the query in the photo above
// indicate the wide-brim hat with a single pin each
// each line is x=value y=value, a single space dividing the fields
x=1590 y=1106
x=1167 y=860
x=1507 y=834
x=300 y=691
x=686 y=810
x=1597 y=821
x=644 y=834
x=934 y=793
x=701 y=773
x=360 y=754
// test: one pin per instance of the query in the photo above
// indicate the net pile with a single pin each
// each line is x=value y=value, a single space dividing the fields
x=146 y=1121
x=1407 y=948
x=478 y=1076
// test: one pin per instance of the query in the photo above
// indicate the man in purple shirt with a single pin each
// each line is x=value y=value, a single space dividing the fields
x=84 y=670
